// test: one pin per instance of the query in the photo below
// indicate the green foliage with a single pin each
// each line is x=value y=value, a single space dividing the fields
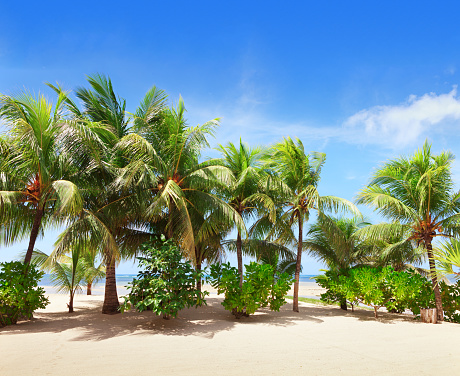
x=166 y=285
x=409 y=290
x=417 y=193
x=19 y=292
x=451 y=301
x=262 y=287
x=339 y=288
x=447 y=258
x=378 y=287
x=333 y=241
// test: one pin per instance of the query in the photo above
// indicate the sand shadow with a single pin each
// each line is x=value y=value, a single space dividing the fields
x=361 y=314
x=91 y=325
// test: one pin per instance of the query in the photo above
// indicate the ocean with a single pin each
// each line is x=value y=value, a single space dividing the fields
x=122 y=282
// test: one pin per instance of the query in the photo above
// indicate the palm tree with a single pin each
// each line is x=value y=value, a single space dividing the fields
x=398 y=251
x=94 y=272
x=447 y=257
x=300 y=174
x=68 y=273
x=110 y=220
x=164 y=169
x=280 y=265
x=418 y=194
x=208 y=242
x=334 y=242
x=249 y=192
x=41 y=167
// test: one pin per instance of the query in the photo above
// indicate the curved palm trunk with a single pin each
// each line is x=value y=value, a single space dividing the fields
x=198 y=269
x=295 y=307
x=239 y=256
x=111 y=303
x=34 y=234
x=88 y=288
x=434 y=281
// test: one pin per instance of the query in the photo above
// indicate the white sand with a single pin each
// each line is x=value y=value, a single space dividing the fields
x=209 y=341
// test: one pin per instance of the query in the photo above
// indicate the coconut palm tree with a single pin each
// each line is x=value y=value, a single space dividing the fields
x=333 y=241
x=110 y=220
x=250 y=191
x=300 y=174
x=164 y=169
x=418 y=194
x=41 y=168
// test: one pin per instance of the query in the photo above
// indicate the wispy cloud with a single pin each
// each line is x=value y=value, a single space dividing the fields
x=404 y=124
x=394 y=127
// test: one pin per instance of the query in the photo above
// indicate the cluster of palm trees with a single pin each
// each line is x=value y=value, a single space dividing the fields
x=115 y=180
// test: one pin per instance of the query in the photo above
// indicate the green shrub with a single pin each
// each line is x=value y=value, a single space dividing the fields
x=410 y=291
x=450 y=295
x=379 y=287
x=339 y=287
x=261 y=287
x=20 y=295
x=166 y=285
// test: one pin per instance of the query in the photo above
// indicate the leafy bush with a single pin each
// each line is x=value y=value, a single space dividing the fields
x=261 y=287
x=167 y=284
x=378 y=287
x=339 y=288
x=19 y=292
x=450 y=295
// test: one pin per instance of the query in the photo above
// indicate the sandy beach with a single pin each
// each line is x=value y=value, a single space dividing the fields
x=209 y=341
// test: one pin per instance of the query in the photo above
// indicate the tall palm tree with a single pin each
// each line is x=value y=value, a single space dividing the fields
x=42 y=168
x=418 y=194
x=248 y=194
x=164 y=169
x=110 y=221
x=300 y=174
x=333 y=241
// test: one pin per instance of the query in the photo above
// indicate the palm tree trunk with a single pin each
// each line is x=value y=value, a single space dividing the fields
x=111 y=303
x=198 y=269
x=70 y=305
x=434 y=281
x=34 y=234
x=239 y=256
x=295 y=307
x=88 y=288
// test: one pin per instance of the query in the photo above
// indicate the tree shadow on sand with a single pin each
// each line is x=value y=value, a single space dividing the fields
x=91 y=325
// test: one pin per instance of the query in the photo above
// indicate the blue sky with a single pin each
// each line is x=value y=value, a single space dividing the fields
x=361 y=81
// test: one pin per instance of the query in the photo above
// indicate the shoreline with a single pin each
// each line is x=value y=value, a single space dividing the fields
x=306 y=290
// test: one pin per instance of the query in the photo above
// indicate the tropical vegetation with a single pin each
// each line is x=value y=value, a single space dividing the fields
x=261 y=287
x=20 y=294
x=166 y=284
x=300 y=174
x=418 y=195
x=117 y=182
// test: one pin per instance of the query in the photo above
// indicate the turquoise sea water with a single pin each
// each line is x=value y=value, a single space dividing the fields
x=122 y=282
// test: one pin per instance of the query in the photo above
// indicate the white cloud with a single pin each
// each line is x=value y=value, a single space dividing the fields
x=392 y=126
x=407 y=123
